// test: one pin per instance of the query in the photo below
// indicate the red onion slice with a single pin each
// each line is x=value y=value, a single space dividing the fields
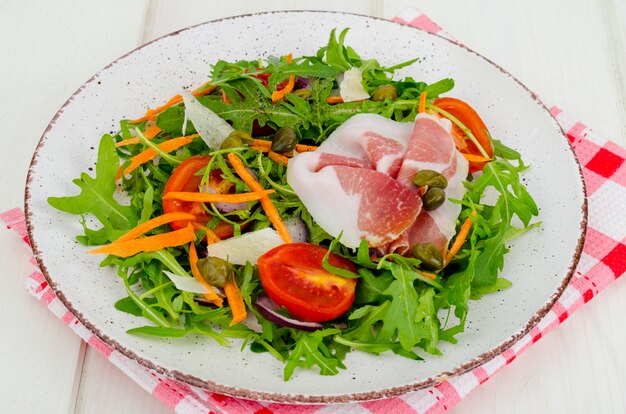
x=297 y=229
x=269 y=309
x=222 y=207
x=204 y=302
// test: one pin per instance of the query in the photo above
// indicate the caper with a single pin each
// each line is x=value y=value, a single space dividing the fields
x=430 y=178
x=429 y=255
x=385 y=92
x=303 y=93
x=285 y=140
x=215 y=270
x=236 y=139
x=433 y=198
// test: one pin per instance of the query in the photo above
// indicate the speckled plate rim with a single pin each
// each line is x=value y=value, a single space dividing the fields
x=295 y=398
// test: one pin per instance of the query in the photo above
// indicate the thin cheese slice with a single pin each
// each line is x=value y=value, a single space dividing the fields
x=351 y=86
x=211 y=128
x=186 y=283
x=246 y=248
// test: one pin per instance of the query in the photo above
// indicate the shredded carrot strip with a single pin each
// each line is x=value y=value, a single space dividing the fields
x=334 y=100
x=277 y=158
x=475 y=158
x=460 y=238
x=149 y=133
x=145 y=227
x=278 y=95
x=431 y=276
x=260 y=149
x=152 y=113
x=264 y=143
x=216 y=198
x=148 y=244
x=225 y=98
x=193 y=263
x=199 y=91
x=422 y=105
x=305 y=148
x=149 y=154
x=211 y=237
x=176 y=99
x=235 y=301
x=268 y=206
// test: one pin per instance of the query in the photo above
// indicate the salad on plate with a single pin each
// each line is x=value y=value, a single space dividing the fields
x=309 y=206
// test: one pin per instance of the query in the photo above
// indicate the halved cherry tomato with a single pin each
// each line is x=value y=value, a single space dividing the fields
x=470 y=118
x=184 y=179
x=293 y=277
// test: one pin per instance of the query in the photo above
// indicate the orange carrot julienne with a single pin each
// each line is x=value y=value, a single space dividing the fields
x=216 y=198
x=264 y=143
x=278 y=95
x=460 y=238
x=145 y=227
x=422 y=105
x=277 y=158
x=176 y=99
x=211 y=237
x=431 y=276
x=149 y=154
x=193 y=263
x=259 y=144
x=266 y=203
x=152 y=113
x=203 y=89
x=260 y=149
x=148 y=244
x=334 y=100
x=149 y=133
x=475 y=158
x=235 y=301
x=306 y=148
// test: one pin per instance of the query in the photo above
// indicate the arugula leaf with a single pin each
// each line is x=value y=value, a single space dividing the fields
x=127 y=305
x=249 y=104
x=336 y=54
x=501 y=284
x=513 y=201
x=435 y=89
x=159 y=331
x=171 y=121
x=310 y=351
x=96 y=195
x=338 y=271
x=201 y=329
x=371 y=287
x=401 y=316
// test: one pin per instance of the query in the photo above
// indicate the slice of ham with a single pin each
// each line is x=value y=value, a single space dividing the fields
x=359 y=181
x=345 y=194
x=432 y=147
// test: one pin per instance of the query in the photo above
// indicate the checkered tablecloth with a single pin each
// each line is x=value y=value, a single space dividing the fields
x=603 y=260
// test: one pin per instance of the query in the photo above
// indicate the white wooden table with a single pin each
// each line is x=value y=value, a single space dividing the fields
x=572 y=52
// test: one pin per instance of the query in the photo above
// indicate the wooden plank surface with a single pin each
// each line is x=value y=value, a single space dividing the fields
x=571 y=52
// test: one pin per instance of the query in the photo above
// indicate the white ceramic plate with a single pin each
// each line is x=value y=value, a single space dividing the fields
x=539 y=265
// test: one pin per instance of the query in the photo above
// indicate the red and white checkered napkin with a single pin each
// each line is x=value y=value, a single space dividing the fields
x=603 y=260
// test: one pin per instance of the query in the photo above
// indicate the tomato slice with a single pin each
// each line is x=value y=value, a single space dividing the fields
x=469 y=117
x=184 y=179
x=293 y=277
